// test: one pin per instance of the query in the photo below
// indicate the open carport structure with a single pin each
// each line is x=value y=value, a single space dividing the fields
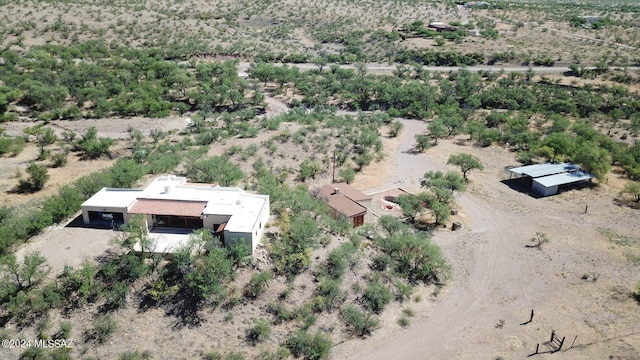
x=539 y=170
x=549 y=185
x=546 y=179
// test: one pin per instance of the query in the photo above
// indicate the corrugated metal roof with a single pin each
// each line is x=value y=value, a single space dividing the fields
x=539 y=170
x=564 y=178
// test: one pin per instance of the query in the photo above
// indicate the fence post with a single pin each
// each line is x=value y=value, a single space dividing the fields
x=552 y=333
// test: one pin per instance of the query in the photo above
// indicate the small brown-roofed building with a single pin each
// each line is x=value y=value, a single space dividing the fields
x=347 y=201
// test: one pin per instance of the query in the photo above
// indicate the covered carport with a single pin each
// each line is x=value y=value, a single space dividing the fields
x=108 y=207
x=550 y=185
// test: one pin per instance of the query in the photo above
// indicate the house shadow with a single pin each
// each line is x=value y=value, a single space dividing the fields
x=78 y=222
x=521 y=185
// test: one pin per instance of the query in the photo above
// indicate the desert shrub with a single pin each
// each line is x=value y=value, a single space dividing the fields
x=305 y=315
x=395 y=128
x=134 y=355
x=280 y=311
x=65 y=330
x=38 y=177
x=258 y=284
x=59 y=159
x=358 y=323
x=260 y=331
x=117 y=295
x=376 y=295
x=281 y=353
x=103 y=328
x=94 y=147
x=292 y=252
x=329 y=294
x=403 y=291
x=309 y=346
x=11 y=146
x=414 y=257
x=363 y=159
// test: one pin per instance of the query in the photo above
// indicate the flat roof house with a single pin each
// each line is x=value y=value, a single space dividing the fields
x=346 y=200
x=171 y=203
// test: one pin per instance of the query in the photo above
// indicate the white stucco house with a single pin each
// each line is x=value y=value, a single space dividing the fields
x=171 y=203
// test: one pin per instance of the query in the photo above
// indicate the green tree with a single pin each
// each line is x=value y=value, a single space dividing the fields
x=363 y=159
x=451 y=181
x=348 y=175
x=415 y=257
x=16 y=277
x=467 y=162
x=216 y=169
x=422 y=142
x=438 y=130
x=94 y=147
x=391 y=225
x=309 y=169
x=593 y=159
x=473 y=128
x=134 y=236
x=632 y=188
x=411 y=205
x=125 y=173
x=45 y=136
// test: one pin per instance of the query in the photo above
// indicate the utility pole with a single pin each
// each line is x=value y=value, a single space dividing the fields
x=333 y=174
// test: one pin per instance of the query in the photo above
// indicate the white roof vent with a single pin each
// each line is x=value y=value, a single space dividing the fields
x=167 y=189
